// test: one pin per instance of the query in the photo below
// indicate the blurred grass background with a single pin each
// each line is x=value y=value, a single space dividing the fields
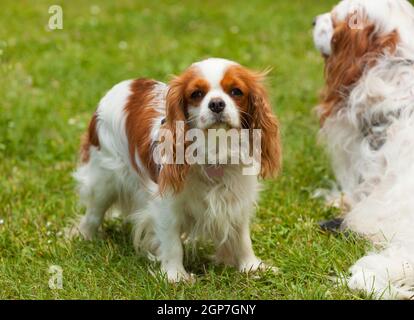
x=50 y=83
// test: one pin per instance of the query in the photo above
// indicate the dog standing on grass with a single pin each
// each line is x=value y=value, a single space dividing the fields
x=167 y=201
x=367 y=119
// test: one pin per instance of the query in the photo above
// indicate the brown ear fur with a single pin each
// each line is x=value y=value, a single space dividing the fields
x=353 y=50
x=263 y=118
x=172 y=176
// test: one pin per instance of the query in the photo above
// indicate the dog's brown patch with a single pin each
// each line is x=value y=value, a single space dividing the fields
x=90 y=138
x=353 y=50
x=140 y=116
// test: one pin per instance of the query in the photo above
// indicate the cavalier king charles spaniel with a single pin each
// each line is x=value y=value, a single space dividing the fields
x=168 y=202
x=367 y=122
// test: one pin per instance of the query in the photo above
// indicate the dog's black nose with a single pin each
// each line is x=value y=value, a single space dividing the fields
x=216 y=105
x=314 y=21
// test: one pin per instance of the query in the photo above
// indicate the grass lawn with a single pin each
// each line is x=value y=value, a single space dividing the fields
x=50 y=83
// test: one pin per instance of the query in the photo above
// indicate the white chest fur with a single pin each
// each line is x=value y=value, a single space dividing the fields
x=213 y=206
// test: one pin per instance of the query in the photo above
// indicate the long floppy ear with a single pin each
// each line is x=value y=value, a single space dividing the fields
x=172 y=175
x=353 y=50
x=262 y=118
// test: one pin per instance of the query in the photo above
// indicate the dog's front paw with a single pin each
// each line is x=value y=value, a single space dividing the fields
x=79 y=231
x=83 y=229
x=256 y=265
x=181 y=277
x=75 y=232
x=177 y=275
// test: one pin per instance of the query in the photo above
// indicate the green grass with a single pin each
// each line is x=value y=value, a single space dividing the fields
x=50 y=84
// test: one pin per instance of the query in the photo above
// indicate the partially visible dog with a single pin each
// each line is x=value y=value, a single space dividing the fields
x=167 y=201
x=367 y=120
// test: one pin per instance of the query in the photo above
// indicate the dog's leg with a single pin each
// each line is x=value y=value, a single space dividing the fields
x=96 y=192
x=224 y=255
x=170 y=250
x=92 y=220
x=238 y=251
x=245 y=257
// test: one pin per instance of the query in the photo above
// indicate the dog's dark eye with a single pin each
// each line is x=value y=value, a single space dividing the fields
x=236 y=92
x=198 y=94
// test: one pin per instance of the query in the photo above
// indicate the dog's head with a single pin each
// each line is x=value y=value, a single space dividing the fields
x=220 y=94
x=352 y=37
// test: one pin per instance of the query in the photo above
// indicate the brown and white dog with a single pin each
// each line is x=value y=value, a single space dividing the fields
x=367 y=119
x=168 y=202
